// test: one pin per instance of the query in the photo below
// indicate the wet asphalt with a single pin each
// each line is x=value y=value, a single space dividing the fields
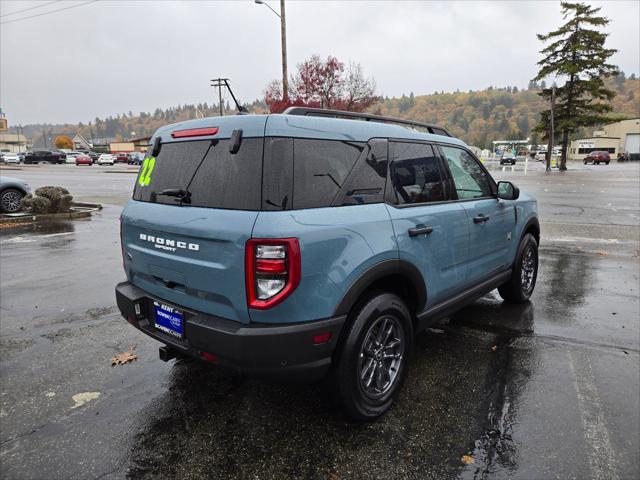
x=549 y=389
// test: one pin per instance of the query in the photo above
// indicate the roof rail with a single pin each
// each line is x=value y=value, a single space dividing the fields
x=321 y=112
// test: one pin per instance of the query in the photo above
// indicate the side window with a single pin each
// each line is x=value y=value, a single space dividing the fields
x=470 y=179
x=365 y=184
x=320 y=169
x=415 y=174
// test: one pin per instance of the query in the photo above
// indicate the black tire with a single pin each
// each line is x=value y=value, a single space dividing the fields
x=585 y=162
x=520 y=286
x=360 y=355
x=10 y=200
x=607 y=162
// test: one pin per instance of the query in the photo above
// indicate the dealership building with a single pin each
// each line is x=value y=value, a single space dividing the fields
x=616 y=138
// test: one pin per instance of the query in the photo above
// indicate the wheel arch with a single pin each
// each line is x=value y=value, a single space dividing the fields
x=395 y=276
x=532 y=227
x=13 y=187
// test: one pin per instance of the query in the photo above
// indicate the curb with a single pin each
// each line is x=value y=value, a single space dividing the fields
x=83 y=210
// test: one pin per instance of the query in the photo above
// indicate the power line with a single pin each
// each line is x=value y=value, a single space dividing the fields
x=47 y=13
x=30 y=8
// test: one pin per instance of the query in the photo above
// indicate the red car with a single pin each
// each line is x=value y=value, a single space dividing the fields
x=83 y=160
x=121 y=157
x=597 y=157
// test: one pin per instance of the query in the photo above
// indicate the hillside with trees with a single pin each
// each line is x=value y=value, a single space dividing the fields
x=506 y=113
x=477 y=117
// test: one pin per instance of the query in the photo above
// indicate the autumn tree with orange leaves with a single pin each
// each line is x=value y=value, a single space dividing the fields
x=62 y=141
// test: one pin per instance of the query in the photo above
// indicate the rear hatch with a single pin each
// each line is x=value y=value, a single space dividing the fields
x=193 y=209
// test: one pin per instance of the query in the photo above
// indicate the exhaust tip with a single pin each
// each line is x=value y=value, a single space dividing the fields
x=166 y=353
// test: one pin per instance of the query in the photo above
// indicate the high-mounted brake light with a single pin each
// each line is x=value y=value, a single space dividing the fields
x=272 y=270
x=194 y=132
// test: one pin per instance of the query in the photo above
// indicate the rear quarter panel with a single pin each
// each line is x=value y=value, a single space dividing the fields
x=337 y=245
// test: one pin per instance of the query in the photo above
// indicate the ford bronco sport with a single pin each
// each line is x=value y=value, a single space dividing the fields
x=316 y=242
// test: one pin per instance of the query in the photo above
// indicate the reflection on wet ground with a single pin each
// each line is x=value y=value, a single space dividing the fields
x=51 y=234
x=216 y=425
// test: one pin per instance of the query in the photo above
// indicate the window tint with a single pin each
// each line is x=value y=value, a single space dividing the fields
x=365 y=184
x=415 y=174
x=214 y=177
x=320 y=169
x=470 y=179
x=226 y=180
x=173 y=168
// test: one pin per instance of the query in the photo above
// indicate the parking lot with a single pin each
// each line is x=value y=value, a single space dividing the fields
x=548 y=389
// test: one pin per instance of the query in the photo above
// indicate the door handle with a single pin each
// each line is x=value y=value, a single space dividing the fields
x=481 y=218
x=414 y=232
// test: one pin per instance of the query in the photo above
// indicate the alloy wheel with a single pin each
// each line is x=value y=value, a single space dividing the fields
x=11 y=201
x=528 y=269
x=381 y=356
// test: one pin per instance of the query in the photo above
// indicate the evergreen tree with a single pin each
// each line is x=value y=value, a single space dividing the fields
x=576 y=52
x=618 y=81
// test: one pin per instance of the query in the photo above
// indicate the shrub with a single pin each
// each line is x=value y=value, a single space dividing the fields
x=48 y=200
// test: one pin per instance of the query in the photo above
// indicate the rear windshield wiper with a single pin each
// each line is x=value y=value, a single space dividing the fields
x=183 y=195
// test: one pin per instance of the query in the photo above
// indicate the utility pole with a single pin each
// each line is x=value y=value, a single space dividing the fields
x=219 y=82
x=551 y=132
x=283 y=39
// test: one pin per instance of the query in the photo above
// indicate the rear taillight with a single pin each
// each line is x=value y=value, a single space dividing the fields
x=272 y=270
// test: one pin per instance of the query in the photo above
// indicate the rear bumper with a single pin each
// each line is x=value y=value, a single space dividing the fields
x=256 y=349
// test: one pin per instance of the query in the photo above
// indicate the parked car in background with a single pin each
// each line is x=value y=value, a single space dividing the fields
x=135 y=158
x=71 y=156
x=541 y=155
x=45 y=156
x=11 y=192
x=508 y=157
x=121 y=157
x=11 y=158
x=94 y=156
x=597 y=157
x=106 y=159
x=83 y=159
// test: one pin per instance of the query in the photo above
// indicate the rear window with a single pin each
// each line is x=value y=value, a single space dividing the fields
x=213 y=176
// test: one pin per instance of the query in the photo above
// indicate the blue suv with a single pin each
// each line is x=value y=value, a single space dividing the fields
x=316 y=242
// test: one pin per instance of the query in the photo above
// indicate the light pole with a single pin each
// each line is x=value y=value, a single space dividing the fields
x=283 y=39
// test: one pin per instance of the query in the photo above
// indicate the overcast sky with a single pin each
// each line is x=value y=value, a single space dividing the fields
x=110 y=57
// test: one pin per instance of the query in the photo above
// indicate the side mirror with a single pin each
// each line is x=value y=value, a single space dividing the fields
x=508 y=191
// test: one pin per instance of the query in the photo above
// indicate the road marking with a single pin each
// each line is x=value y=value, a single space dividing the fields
x=582 y=240
x=600 y=454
